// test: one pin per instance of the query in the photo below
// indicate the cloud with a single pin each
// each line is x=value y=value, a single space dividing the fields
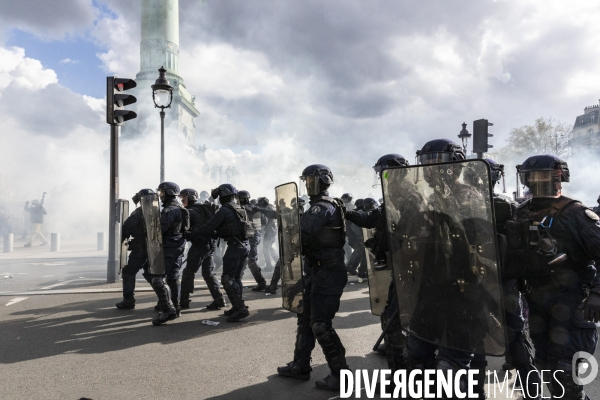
x=23 y=72
x=68 y=61
x=48 y=19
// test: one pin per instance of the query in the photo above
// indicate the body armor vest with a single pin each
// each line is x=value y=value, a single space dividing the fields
x=333 y=234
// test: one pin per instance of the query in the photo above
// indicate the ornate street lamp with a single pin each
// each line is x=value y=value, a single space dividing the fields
x=464 y=137
x=162 y=95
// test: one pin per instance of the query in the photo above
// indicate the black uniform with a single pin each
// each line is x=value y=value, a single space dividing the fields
x=558 y=329
x=394 y=338
x=227 y=225
x=135 y=228
x=325 y=276
x=200 y=254
x=173 y=220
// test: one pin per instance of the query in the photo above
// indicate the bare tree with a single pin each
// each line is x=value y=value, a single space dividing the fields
x=545 y=136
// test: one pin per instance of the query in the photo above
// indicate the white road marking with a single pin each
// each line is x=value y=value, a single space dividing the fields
x=16 y=300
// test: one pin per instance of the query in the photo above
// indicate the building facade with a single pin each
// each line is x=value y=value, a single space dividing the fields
x=586 y=130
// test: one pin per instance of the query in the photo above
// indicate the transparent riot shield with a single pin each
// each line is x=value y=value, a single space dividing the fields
x=151 y=212
x=290 y=255
x=379 y=280
x=444 y=254
x=122 y=215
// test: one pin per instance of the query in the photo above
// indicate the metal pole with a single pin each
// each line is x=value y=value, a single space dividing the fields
x=162 y=145
x=480 y=155
x=113 y=262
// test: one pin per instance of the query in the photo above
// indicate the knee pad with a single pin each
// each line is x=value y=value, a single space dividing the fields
x=320 y=328
x=227 y=281
x=157 y=281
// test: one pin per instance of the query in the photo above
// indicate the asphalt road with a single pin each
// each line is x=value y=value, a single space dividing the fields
x=68 y=346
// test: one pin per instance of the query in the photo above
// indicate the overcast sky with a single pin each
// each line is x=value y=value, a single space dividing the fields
x=283 y=84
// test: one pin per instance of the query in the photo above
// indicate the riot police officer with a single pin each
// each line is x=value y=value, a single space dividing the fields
x=174 y=221
x=554 y=243
x=204 y=197
x=520 y=351
x=200 y=254
x=269 y=234
x=348 y=203
x=231 y=224
x=258 y=220
x=134 y=230
x=418 y=353
x=270 y=213
x=374 y=218
x=323 y=236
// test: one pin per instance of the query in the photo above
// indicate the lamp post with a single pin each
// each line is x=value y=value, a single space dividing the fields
x=464 y=137
x=162 y=95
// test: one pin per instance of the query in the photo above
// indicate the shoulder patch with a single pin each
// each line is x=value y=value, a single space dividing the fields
x=315 y=209
x=591 y=215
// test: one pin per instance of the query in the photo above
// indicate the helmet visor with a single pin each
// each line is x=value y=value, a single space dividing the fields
x=544 y=183
x=312 y=184
x=432 y=158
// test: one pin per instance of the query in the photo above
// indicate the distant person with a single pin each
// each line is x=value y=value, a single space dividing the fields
x=597 y=208
x=37 y=212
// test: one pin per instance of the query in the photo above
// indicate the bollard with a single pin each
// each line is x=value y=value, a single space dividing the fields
x=55 y=242
x=101 y=241
x=8 y=242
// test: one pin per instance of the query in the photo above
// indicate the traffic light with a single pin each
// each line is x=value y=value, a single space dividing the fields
x=481 y=135
x=116 y=100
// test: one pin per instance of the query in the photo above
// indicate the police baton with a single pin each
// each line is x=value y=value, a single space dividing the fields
x=385 y=330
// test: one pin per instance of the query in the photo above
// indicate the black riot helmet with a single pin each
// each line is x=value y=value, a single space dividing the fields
x=544 y=174
x=254 y=202
x=244 y=197
x=440 y=150
x=347 y=197
x=390 y=160
x=370 y=204
x=224 y=192
x=359 y=204
x=317 y=178
x=136 y=198
x=496 y=169
x=169 y=188
x=191 y=194
x=262 y=202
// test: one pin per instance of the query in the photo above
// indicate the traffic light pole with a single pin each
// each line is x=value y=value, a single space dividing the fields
x=113 y=262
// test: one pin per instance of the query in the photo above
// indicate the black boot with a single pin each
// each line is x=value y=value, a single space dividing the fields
x=168 y=311
x=184 y=304
x=271 y=289
x=260 y=287
x=334 y=352
x=174 y=289
x=217 y=304
x=299 y=369
x=126 y=304
x=238 y=314
x=255 y=270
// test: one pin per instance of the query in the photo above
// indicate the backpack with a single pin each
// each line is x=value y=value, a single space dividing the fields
x=245 y=226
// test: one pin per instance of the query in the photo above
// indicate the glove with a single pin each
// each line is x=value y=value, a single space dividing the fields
x=591 y=307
